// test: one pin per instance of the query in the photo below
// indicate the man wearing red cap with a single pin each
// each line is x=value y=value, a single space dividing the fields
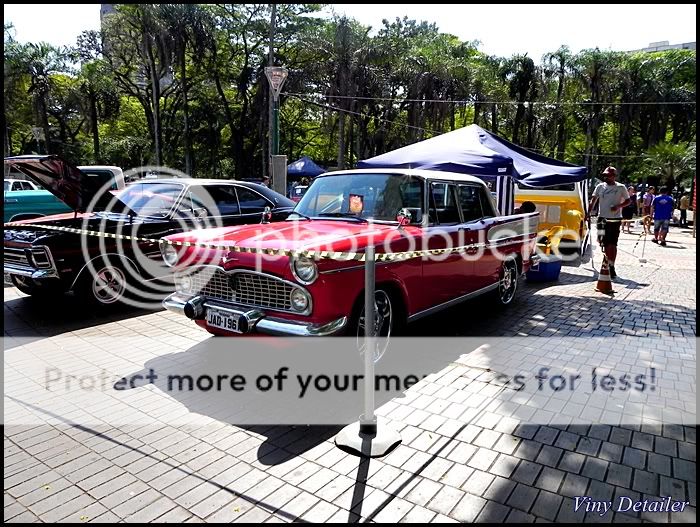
x=612 y=196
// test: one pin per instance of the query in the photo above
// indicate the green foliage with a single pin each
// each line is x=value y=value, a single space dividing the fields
x=184 y=85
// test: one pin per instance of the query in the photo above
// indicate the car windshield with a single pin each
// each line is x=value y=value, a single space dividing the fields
x=102 y=177
x=362 y=196
x=150 y=199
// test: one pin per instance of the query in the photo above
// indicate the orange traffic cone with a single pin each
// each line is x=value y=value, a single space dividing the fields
x=604 y=281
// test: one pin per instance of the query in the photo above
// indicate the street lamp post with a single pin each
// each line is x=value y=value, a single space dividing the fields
x=276 y=75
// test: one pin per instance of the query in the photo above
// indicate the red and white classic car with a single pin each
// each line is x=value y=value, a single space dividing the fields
x=468 y=249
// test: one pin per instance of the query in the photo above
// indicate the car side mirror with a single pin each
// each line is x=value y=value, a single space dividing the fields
x=200 y=212
x=266 y=215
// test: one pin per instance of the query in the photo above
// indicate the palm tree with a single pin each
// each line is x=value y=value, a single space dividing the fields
x=560 y=63
x=671 y=163
x=39 y=61
x=188 y=25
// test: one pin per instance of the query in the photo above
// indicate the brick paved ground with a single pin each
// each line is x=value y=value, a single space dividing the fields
x=468 y=453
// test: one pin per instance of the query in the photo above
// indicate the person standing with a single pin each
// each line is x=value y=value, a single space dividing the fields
x=612 y=197
x=683 y=206
x=629 y=210
x=662 y=211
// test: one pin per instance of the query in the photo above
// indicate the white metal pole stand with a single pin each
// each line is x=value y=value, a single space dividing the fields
x=364 y=438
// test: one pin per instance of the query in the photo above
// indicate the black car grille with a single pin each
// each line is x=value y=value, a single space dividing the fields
x=15 y=256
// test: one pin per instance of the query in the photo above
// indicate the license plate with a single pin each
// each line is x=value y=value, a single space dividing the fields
x=223 y=320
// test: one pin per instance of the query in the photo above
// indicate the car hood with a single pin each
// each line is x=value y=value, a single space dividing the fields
x=65 y=181
x=298 y=235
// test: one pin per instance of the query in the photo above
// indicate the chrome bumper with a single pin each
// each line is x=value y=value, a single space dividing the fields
x=196 y=308
x=29 y=272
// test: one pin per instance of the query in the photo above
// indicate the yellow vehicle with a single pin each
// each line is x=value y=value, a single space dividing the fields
x=561 y=211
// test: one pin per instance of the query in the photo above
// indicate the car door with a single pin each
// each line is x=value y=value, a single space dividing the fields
x=471 y=201
x=486 y=254
x=211 y=205
x=252 y=204
x=448 y=275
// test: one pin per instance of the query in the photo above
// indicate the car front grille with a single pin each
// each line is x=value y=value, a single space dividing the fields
x=15 y=256
x=264 y=291
x=241 y=287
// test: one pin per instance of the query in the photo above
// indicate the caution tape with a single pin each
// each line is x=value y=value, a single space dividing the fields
x=310 y=253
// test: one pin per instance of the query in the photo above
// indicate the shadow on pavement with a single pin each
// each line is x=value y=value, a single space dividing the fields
x=36 y=318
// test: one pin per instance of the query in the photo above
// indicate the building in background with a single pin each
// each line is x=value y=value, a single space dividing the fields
x=664 y=45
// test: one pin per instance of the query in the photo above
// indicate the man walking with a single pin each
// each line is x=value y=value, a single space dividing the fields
x=683 y=206
x=612 y=197
x=662 y=211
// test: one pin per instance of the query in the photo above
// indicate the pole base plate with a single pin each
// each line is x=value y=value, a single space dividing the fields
x=379 y=444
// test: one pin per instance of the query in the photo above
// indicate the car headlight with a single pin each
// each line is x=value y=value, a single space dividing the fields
x=304 y=270
x=169 y=254
x=185 y=283
x=299 y=300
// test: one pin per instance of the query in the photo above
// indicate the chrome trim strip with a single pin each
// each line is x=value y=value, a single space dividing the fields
x=452 y=302
x=30 y=272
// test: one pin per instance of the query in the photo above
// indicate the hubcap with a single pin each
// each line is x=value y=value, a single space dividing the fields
x=383 y=318
x=108 y=285
x=508 y=283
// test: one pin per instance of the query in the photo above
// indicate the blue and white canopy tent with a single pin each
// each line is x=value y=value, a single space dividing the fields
x=304 y=167
x=477 y=152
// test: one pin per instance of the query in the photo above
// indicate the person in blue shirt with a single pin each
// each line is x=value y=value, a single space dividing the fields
x=661 y=211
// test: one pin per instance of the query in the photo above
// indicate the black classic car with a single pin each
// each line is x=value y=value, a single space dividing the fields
x=47 y=256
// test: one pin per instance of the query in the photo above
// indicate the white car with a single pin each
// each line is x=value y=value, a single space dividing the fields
x=104 y=174
x=11 y=185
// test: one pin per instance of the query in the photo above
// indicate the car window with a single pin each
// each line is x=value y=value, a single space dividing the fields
x=16 y=185
x=218 y=200
x=487 y=203
x=470 y=202
x=26 y=185
x=150 y=199
x=443 y=205
x=250 y=201
x=102 y=177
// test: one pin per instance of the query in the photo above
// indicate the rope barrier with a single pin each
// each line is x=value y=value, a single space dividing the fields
x=316 y=254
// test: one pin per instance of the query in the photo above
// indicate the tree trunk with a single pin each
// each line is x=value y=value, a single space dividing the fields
x=8 y=137
x=155 y=92
x=44 y=116
x=189 y=166
x=560 y=120
x=93 y=127
x=341 y=140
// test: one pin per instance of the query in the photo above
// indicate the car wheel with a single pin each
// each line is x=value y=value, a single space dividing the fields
x=387 y=320
x=29 y=287
x=105 y=286
x=508 y=283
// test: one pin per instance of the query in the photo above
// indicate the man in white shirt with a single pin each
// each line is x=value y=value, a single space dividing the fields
x=612 y=197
